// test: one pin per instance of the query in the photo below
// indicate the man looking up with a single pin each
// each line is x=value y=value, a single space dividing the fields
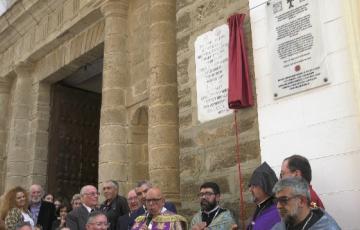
x=43 y=212
x=157 y=216
x=299 y=166
x=211 y=215
x=114 y=206
x=77 y=218
x=293 y=202
x=261 y=184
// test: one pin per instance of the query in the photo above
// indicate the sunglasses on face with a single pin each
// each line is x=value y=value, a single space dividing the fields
x=283 y=200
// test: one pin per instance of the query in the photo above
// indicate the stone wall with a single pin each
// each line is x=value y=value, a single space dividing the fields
x=137 y=92
x=208 y=150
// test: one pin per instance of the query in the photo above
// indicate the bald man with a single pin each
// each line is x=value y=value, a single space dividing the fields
x=157 y=216
x=77 y=218
x=43 y=213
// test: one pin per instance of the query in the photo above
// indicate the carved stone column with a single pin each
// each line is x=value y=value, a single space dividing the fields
x=17 y=162
x=163 y=100
x=113 y=159
x=4 y=107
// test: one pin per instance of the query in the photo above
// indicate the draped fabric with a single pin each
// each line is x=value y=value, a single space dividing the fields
x=240 y=94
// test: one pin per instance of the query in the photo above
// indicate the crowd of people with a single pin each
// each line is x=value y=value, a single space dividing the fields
x=288 y=203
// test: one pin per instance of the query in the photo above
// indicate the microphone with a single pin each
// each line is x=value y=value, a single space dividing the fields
x=148 y=219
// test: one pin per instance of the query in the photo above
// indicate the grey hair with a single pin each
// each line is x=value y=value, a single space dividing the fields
x=114 y=183
x=82 y=190
x=23 y=224
x=141 y=183
x=93 y=215
x=76 y=196
x=299 y=186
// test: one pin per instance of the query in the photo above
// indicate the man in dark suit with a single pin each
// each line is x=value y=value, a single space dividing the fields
x=77 y=218
x=134 y=204
x=42 y=212
x=115 y=205
x=141 y=190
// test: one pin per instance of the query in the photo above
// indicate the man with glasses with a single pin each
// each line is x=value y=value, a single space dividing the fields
x=114 y=205
x=261 y=184
x=141 y=191
x=211 y=215
x=157 y=216
x=77 y=218
x=292 y=196
x=133 y=203
x=97 y=220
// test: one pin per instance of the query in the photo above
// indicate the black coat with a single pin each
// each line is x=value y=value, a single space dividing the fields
x=118 y=207
x=77 y=218
x=46 y=215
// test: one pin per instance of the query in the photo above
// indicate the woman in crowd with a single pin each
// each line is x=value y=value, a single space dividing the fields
x=49 y=198
x=61 y=221
x=76 y=201
x=15 y=208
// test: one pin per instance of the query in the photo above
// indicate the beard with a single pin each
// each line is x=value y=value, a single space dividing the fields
x=289 y=217
x=207 y=205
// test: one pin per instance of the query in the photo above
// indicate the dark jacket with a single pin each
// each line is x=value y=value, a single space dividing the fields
x=47 y=215
x=76 y=219
x=118 y=207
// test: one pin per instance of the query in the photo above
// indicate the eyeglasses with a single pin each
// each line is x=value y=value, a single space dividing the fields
x=132 y=199
x=206 y=194
x=92 y=194
x=283 y=200
x=155 y=200
x=101 y=224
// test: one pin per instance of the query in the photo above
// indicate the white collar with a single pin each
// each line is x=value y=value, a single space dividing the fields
x=217 y=206
x=87 y=208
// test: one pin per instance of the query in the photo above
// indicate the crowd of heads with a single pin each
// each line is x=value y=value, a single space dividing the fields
x=291 y=194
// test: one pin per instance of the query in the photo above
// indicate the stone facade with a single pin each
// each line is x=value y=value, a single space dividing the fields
x=149 y=127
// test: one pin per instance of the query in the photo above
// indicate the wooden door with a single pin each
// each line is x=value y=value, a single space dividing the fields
x=73 y=140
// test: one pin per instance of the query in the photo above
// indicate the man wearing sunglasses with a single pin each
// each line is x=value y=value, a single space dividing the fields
x=261 y=184
x=211 y=215
x=292 y=196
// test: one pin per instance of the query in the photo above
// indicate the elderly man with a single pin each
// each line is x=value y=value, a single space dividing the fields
x=261 y=184
x=97 y=221
x=114 y=206
x=77 y=218
x=23 y=226
x=211 y=215
x=293 y=202
x=141 y=190
x=43 y=212
x=133 y=203
x=157 y=216
x=299 y=166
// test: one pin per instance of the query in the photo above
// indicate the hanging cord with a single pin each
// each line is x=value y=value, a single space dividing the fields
x=242 y=209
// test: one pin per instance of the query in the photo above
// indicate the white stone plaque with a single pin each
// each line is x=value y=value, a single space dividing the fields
x=211 y=59
x=297 y=54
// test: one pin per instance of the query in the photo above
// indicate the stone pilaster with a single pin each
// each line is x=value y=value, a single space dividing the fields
x=39 y=134
x=113 y=159
x=163 y=101
x=17 y=145
x=4 y=107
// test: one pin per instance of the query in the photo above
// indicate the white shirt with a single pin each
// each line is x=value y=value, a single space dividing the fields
x=28 y=219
